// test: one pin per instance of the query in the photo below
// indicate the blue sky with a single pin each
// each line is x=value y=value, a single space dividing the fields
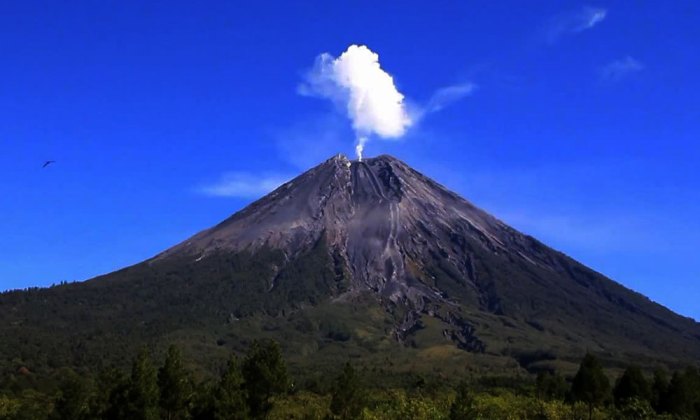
x=166 y=117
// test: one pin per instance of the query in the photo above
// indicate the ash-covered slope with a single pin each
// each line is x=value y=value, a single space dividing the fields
x=379 y=215
x=419 y=247
x=355 y=259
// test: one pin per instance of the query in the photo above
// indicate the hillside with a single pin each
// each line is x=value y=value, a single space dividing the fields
x=357 y=260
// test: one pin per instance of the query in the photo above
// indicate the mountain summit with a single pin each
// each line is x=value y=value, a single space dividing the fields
x=366 y=258
x=385 y=223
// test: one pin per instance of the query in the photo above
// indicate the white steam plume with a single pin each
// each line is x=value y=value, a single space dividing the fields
x=360 y=147
x=356 y=81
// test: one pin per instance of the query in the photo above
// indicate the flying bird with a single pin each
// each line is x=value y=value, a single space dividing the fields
x=47 y=163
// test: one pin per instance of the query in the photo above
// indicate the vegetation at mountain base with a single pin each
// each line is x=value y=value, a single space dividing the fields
x=350 y=261
x=221 y=306
x=258 y=386
x=590 y=385
x=175 y=385
x=347 y=395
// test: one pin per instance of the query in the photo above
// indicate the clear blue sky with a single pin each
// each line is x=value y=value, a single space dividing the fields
x=582 y=130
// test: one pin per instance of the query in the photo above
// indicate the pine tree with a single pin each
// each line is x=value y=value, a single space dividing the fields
x=230 y=397
x=174 y=385
x=112 y=395
x=683 y=396
x=631 y=385
x=265 y=375
x=463 y=406
x=203 y=401
x=74 y=400
x=142 y=392
x=551 y=386
x=692 y=375
x=659 y=391
x=590 y=384
x=347 y=399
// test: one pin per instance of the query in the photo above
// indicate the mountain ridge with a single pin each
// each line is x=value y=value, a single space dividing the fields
x=383 y=216
x=368 y=258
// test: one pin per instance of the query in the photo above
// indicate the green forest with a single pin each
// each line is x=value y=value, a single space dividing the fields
x=258 y=385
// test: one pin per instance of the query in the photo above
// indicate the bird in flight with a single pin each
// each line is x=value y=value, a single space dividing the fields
x=47 y=163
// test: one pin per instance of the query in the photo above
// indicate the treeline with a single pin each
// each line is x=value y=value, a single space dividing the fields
x=244 y=390
x=259 y=386
x=633 y=396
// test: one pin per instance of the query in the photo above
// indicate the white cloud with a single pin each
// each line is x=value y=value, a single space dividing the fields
x=243 y=185
x=356 y=81
x=588 y=18
x=446 y=96
x=617 y=69
x=574 y=22
x=374 y=104
x=367 y=94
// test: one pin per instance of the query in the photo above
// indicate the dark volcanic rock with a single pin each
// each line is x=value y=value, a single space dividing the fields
x=385 y=220
x=421 y=247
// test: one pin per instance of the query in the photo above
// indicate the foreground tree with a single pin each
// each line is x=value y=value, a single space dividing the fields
x=265 y=375
x=142 y=392
x=683 y=396
x=230 y=397
x=631 y=385
x=347 y=399
x=174 y=385
x=463 y=406
x=551 y=386
x=659 y=390
x=112 y=400
x=590 y=384
x=75 y=397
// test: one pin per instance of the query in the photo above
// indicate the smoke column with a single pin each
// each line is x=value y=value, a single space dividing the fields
x=360 y=147
x=356 y=82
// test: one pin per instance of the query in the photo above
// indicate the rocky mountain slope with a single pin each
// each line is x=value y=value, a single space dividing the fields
x=357 y=259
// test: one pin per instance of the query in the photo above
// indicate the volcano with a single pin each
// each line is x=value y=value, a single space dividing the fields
x=355 y=259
